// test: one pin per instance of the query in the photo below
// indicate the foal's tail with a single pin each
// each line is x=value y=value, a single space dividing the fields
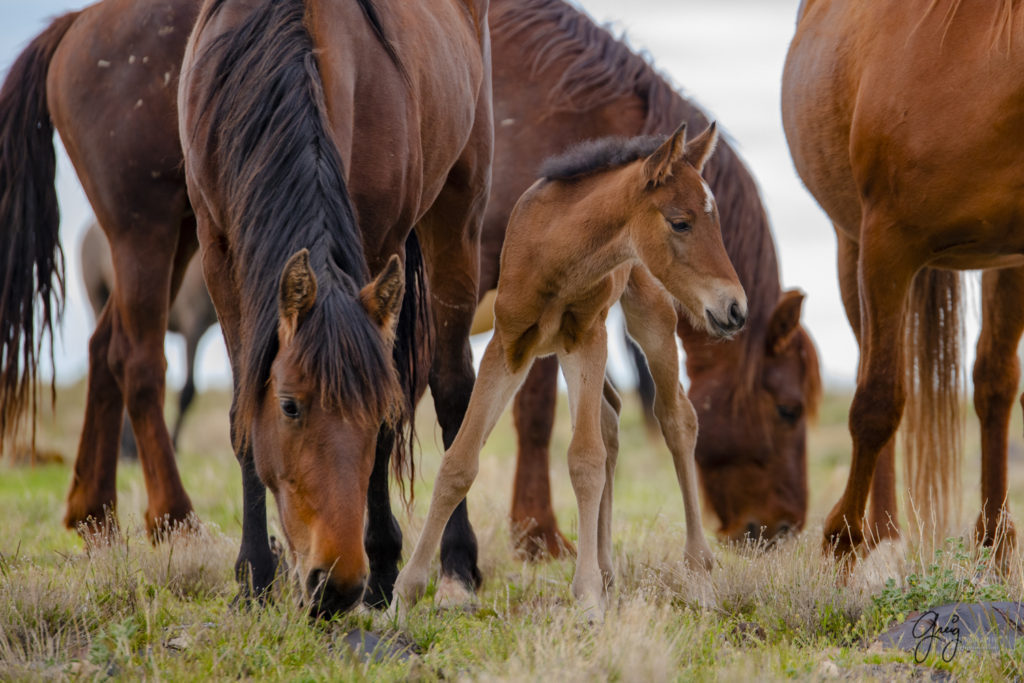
x=932 y=424
x=413 y=353
x=31 y=259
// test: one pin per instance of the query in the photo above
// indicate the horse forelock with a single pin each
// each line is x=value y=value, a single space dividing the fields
x=284 y=189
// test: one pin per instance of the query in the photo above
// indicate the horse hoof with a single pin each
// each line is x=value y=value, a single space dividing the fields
x=91 y=523
x=1001 y=537
x=162 y=527
x=453 y=594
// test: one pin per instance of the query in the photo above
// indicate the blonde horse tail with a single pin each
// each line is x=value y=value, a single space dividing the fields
x=932 y=423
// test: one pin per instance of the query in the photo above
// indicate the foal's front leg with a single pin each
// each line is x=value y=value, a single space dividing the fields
x=584 y=374
x=651 y=321
x=495 y=385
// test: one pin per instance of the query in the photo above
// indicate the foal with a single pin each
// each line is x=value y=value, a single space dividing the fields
x=614 y=219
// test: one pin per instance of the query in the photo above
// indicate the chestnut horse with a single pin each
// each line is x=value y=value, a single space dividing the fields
x=190 y=315
x=904 y=120
x=559 y=79
x=436 y=176
x=617 y=218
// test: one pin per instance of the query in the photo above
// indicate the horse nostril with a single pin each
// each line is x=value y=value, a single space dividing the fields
x=784 y=529
x=315 y=583
x=753 y=531
x=736 y=315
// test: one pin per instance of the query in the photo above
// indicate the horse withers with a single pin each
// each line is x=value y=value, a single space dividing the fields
x=616 y=219
x=904 y=121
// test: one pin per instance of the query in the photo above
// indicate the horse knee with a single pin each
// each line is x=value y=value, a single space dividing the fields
x=587 y=469
x=143 y=381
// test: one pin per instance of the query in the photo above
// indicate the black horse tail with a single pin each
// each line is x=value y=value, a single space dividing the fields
x=413 y=352
x=31 y=259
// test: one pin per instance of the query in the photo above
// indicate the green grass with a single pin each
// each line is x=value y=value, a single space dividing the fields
x=130 y=610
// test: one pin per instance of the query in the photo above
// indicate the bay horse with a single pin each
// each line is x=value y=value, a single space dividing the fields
x=904 y=120
x=191 y=314
x=560 y=79
x=613 y=219
x=431 y=92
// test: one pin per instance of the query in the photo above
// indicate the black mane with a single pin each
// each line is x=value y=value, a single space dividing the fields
x=594 y=156
x=284 y=190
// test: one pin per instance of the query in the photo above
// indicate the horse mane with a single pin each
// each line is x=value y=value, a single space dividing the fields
x=593 y=156
x=284 y=189
x=595 y=69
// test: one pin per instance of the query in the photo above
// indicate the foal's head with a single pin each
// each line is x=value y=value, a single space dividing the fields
x=330 y=386
x=678 y=237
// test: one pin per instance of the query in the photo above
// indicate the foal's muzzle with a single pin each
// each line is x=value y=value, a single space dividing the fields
x=734 y=319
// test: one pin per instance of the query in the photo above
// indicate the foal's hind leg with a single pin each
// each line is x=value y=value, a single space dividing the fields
x=534 y=526
x=996 y=376
x=611 y=406
x=491 y=393
x=651 y=320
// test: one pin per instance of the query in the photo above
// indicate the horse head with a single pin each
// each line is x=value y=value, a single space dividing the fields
x=678 y=236
x=312 y=451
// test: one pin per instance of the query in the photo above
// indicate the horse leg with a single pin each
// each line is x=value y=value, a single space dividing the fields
x=126 y=371
x=490 y=394
x=996 y=376
x=611 y=406
x=878 y=402
x=644 y=385
x=188 y=391
x=651 y=321
x=584 y=373
x=450 y=238
x=92 y=498
x=882 y=517
x=256 y=563
x=534 y=526
x=383 y=540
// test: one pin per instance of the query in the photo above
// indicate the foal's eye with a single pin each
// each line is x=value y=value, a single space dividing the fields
x=290 y=408
x=790 y=413
x=681 y=226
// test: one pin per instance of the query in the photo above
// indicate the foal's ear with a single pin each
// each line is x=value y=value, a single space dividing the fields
x=700 y=149
x=658 y=166
x=784 y=321
x=382 y=298
x=296 y=295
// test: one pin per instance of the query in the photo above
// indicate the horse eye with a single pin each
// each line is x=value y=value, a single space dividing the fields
x=290 y=408
x=790 y=413
x=681 y=226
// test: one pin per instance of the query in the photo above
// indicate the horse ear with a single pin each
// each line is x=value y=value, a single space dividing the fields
x=784 y=321
x=658 y=166
x=296 y=294
x=700 y=149
x=382 y=298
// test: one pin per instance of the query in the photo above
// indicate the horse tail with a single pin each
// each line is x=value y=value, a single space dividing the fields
x=31 y=258
x=413 y=352
x=934 y=379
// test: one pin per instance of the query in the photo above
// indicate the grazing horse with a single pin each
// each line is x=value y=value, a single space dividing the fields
x=559 y=79
x=429 y=99
x=904 y=121
x=617 y=218
x=191 y=315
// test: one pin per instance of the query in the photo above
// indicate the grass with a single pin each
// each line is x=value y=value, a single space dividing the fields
x=130 y=610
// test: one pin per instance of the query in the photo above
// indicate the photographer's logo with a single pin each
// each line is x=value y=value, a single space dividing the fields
x=930 y=636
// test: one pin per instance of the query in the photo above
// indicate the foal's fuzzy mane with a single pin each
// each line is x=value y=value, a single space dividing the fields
x=284 y=190
x=593 y=156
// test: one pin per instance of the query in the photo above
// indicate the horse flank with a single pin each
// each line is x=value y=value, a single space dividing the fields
x=285 y=190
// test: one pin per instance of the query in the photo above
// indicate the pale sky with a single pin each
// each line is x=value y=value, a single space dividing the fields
x=727 y=55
